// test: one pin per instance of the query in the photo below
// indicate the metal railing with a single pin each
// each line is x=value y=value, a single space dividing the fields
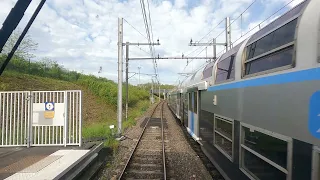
x=20 y=118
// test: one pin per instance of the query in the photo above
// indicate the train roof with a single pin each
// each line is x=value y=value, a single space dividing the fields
x=201 y=75
x=288 y=16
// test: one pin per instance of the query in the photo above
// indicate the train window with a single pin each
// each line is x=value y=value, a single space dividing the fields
x=260 y=169
x=264 y=154
x=224 y=127
x=207 y=73
x=225 y=69
x=272 y=51
x=284 y=35
x=186 y=100
x=223 y=135
x=263 y=45
x=224 y=144
x=268 y=146
x=195 y=108
x=250 y=50
x=278 y=59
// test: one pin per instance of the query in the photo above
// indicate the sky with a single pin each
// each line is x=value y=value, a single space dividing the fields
x=82 y=35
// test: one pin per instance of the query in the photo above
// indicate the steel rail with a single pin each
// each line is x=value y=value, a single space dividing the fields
x=163 y=149
x=139 y=139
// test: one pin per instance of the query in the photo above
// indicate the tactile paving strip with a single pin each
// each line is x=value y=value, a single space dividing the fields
x=41 y=164
x=21 y=164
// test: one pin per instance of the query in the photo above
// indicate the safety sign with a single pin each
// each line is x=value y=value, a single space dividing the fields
x=49 y=110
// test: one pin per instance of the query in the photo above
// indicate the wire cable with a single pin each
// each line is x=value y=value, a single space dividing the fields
x=135 y=29
x=223 y=30
x=144 y=15
x=241 y=32
x=141 y=49
x=265 y=20
x=237 y=17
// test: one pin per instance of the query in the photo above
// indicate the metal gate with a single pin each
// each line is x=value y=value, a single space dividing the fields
x=26 y=121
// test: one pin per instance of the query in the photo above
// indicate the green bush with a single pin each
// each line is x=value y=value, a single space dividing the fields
x=105 y=89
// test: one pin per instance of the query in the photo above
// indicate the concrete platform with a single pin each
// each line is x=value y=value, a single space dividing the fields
x=49 y=167
x=37 y=162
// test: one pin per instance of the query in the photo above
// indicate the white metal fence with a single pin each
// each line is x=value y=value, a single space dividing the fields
x=22 y=121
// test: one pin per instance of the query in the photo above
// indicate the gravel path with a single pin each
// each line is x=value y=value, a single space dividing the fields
x=114 y=168
x=181 y=160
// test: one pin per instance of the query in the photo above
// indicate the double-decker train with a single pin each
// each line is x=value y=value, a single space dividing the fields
x=255 y=111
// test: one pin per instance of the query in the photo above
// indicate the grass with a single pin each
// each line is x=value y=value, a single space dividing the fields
x=97 y=113
x=142 y=106
x=102 y=130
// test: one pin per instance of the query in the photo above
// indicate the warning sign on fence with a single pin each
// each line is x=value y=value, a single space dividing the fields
x=49 y=110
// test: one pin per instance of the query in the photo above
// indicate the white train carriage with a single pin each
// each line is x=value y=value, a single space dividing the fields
x=256 y=111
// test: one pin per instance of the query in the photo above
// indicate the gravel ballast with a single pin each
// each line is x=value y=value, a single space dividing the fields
x=181 y=160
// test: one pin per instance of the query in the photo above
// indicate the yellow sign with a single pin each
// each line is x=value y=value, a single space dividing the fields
x=49 y=114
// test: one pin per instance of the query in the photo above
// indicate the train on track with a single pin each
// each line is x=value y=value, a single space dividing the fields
x=255 y=111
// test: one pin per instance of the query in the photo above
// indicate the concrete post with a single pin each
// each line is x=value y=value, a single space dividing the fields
x=120 y=41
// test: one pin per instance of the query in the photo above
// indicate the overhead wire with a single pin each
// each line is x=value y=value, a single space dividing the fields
x=157 y=70
x=264 y=20
x=220 y=32
x=144 y=15
x=237 y=17
x=205 y=36
x=141 y=49
x=217 y=35
x=139 y=33
x=219 y=24
x=135 y=29
x=241 y=30
x=252 y=28
x=211 y=30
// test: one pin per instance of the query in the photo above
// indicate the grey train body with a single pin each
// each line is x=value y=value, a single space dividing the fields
x=255 y=111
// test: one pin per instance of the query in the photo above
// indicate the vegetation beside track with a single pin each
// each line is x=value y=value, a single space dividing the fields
x=99 y=94
x=102 y=129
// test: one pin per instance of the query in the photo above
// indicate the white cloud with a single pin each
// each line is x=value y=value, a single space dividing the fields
x=83 y=34
x=180 y=3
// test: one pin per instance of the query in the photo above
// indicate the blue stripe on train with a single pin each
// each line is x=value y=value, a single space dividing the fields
x=298 y=76
x=314 y=115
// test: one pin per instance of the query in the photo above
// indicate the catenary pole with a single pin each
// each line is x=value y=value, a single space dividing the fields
x=127 y=44
x=120 y=41
x=127 y=79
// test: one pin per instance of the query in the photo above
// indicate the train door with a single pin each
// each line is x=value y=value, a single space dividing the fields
x=178 y=105
x=193 y=115
x=181 y=107
x=185 y=109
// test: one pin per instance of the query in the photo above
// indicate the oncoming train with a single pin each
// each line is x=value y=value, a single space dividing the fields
x=256 y=110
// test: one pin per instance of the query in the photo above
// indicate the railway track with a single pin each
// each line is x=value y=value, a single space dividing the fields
x=147 y=160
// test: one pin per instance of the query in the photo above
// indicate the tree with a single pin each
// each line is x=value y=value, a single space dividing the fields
x=25 y=48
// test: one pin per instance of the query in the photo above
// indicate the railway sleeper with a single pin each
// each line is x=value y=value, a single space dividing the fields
x=146 y=152
x=149 y=156
x=137 y=174
x=146 y=167
x=152 y=133
x=144 y=160
x=155 y=146
x=142 y=179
